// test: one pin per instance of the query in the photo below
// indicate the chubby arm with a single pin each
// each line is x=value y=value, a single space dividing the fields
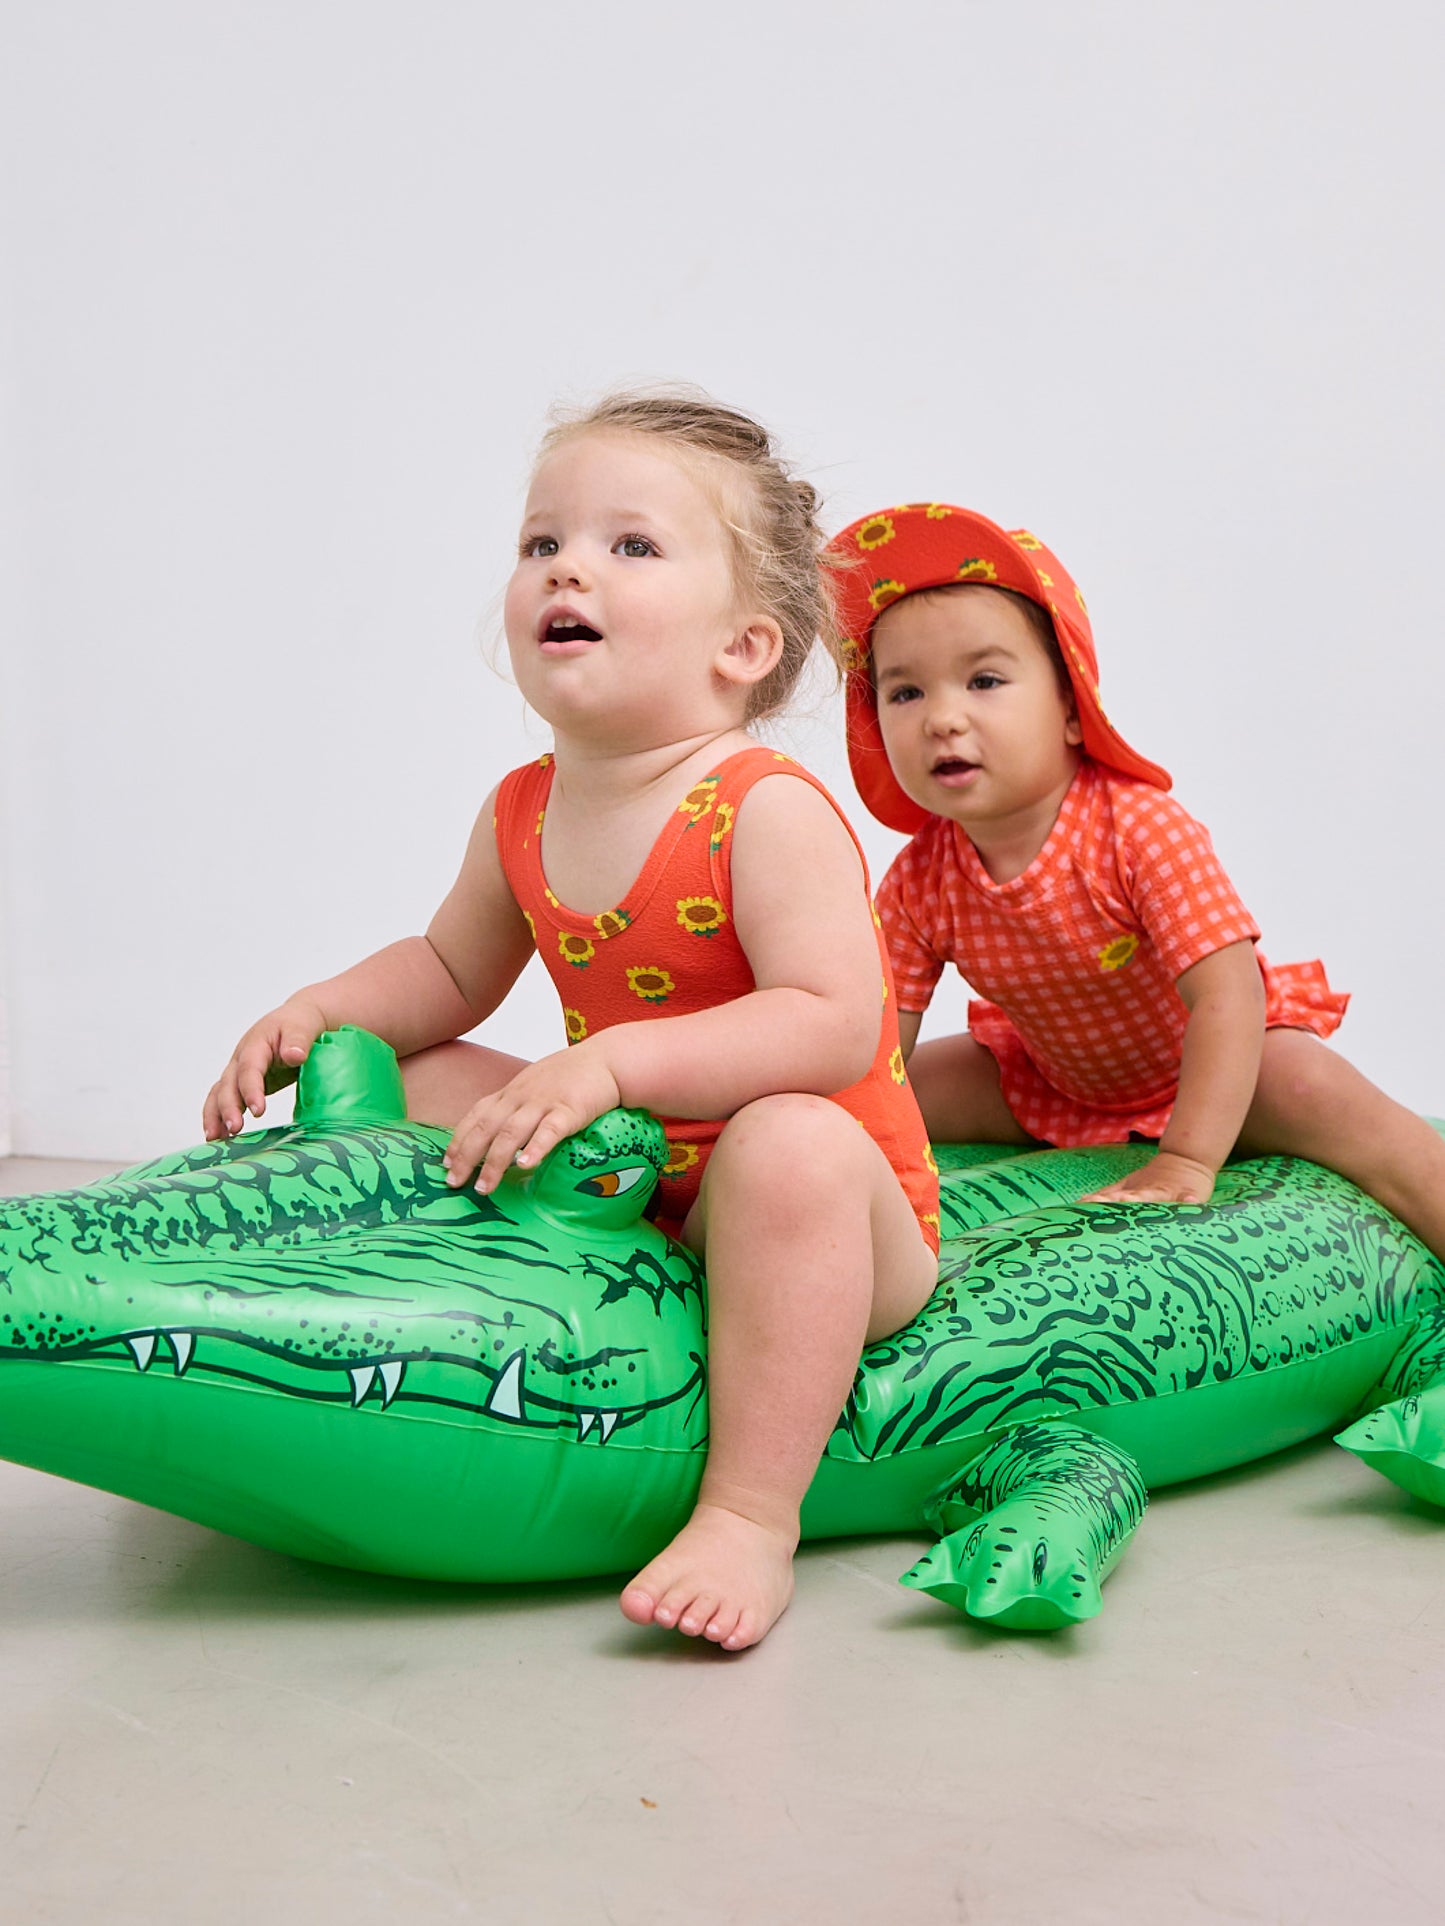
x=910 y=1022
x=420 y=991
x=811 y=1023
x=1218 y=1072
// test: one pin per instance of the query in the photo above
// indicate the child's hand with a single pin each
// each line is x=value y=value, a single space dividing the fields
x=549 y=1100
x=266 y=1059
x=1167 y=1178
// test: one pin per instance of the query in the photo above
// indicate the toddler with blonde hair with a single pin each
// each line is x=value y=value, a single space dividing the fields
x=703 y=909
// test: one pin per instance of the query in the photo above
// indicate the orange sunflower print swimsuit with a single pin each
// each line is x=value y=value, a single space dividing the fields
x=1077 y=959
x=669 y=948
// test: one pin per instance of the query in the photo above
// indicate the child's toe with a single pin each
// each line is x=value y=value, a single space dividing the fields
x=744 y=1633
x=698 y=1613
x=721 y=1626
x=675 y=1600
x=638 y=1604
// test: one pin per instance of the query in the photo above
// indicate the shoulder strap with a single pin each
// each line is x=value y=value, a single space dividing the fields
x=736 y=778
x=520 y=796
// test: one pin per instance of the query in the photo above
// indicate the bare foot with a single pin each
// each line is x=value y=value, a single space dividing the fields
x=723 y=1578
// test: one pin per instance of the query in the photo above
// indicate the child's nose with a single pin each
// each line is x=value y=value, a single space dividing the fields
x=566 y=570
x=947 y=716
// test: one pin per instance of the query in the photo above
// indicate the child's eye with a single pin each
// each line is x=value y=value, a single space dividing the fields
x=634 y=545
x=903 y=692
x=539 y=545
x=986 y=679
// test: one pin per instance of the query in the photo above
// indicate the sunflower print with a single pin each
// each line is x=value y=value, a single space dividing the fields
x=699 y=799
x=652 y=984
x=929 y=1217
x=930 y=1162
x=895 y=1066
x=722 y=822
x=877 y=530
x=550 y=897
x=611 y=922
x=576 y=1024
x=1024 y=539
x=1115 y=955
x=575 y=950
x=531 y=925
x=884 y=592
x=681 y=1157
x=976 y=569
x=1079 y=672
x=935 y=512
x=1079 y=598
x=701 y=915
x=541 y=818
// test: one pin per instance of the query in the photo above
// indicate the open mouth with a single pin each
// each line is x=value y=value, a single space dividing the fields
x=563 y=628
x=954 y=769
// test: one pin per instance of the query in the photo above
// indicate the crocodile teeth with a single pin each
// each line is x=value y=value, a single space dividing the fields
x=362 y=1376
x=606 y=1419
x=142 y=1348
x=183 y=1344
x=390 y=1375
x=585 y=1422
x=506 y=1398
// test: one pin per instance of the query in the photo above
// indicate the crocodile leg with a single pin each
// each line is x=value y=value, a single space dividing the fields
x=1032 y=1528
x=1403 y=1438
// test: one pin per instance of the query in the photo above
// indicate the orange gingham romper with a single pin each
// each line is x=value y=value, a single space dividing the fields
x=1079 y=956
x=670 y=948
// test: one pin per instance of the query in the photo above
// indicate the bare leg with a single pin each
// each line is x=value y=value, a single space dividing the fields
x=444 y=1082
x=1311 y=1103
x=957 y=1086
x=812 y=1250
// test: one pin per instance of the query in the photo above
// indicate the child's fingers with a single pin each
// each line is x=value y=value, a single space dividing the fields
x=474 y=1138
x=1159 y=1193
x=225 y=1099
x=464 y=1151
x=522 y=1136
x=252 y=1062
x=554 y=1126
x=1128 y=1194
x=507 y=1144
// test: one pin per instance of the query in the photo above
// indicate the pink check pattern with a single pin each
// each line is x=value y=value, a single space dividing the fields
x=1075 y=963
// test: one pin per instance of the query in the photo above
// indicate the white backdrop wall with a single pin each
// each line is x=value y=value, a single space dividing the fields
x=290 y=288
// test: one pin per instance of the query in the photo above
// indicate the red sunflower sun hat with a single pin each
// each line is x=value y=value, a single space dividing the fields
x=924 y=545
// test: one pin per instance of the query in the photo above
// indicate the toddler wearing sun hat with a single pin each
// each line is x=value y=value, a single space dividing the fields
x=1074 y=906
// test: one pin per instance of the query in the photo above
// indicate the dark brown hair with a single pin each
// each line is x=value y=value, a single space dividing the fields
x=1036 y=615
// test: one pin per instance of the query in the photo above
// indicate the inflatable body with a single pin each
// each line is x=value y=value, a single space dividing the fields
x=305 y=1338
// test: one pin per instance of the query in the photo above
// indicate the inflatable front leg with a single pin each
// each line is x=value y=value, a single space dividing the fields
x=1403 y=1438
x=1032 y=1528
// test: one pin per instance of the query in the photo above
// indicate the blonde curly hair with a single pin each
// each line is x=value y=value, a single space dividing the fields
x=771 y=515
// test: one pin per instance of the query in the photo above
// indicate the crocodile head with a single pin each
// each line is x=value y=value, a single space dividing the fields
x=330 y=1260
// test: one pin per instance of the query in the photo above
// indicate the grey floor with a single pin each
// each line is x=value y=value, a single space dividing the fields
x=193 y=1730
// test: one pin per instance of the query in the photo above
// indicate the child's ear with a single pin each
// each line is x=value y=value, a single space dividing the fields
x=753 y=653
x=1073 y=729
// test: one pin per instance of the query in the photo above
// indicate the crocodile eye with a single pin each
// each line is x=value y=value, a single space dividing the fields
x=611 y=1183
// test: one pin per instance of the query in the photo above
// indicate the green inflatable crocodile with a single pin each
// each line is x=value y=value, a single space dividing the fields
x=305 y=1337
